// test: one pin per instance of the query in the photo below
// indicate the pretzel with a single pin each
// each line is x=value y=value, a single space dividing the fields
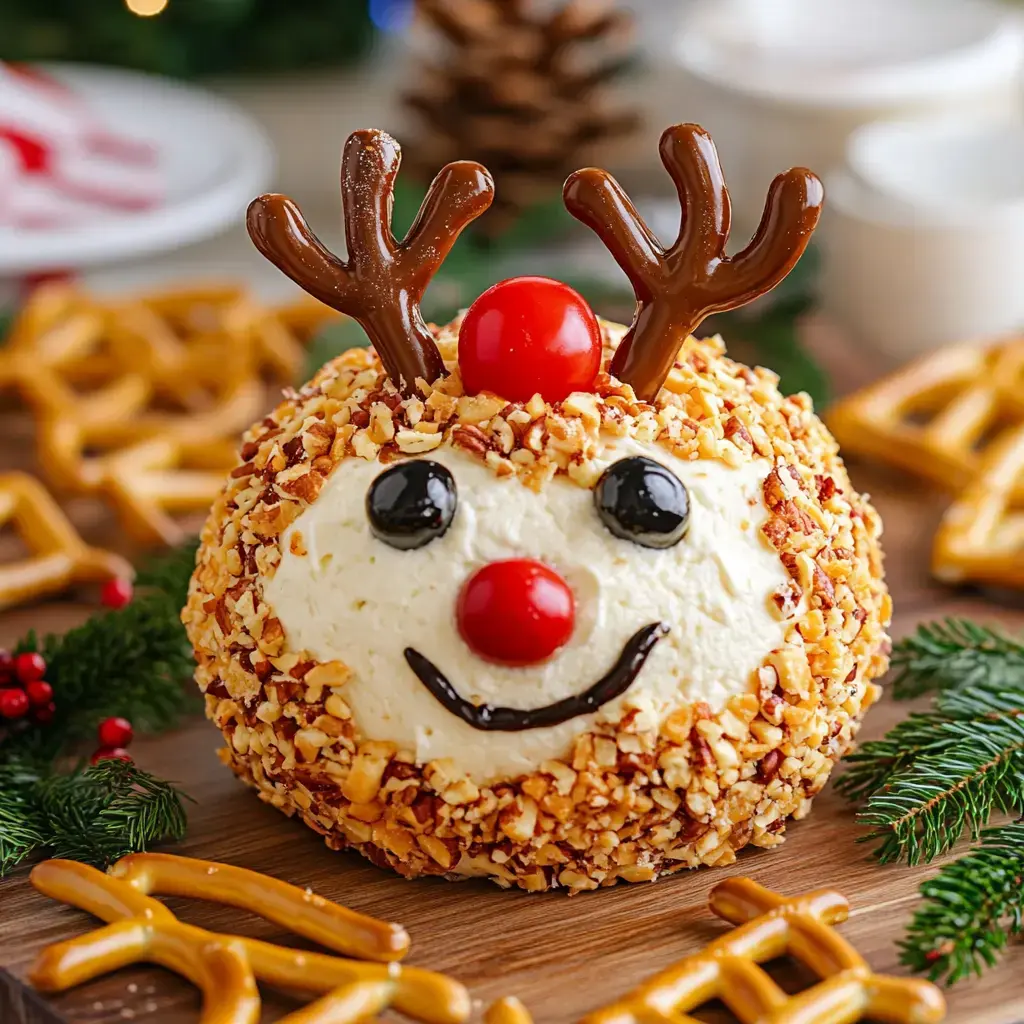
x=59 y=557
x=507 y=1011
x=226 y=968
x=771 y=925
x=938 y=417
x=981 y=537
x=676 y=288
x=383 y=280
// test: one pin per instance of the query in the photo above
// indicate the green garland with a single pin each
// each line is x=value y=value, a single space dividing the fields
x=189 y=37
x=942 y=774
x=130 y=662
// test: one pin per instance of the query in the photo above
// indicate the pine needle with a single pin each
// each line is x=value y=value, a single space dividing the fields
x=971 y=909
x=110 y=809
x=942 y=773
x=131 y=662
x=954 y=654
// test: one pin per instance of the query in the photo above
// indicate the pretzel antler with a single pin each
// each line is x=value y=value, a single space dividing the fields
x=383 y=280
x=676 y=288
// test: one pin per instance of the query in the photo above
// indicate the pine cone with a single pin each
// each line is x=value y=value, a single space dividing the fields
x=519 y=91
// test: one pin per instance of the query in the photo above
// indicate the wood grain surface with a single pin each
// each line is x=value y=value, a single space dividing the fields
x=562 y=956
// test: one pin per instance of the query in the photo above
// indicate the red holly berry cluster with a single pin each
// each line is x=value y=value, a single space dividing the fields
x=114 y=734
x=23 y=690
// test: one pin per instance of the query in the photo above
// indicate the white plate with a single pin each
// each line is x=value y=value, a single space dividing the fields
x=214 y=160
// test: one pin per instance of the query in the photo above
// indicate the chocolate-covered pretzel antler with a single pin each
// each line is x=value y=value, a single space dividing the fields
x=383 y=280
x=677 y=287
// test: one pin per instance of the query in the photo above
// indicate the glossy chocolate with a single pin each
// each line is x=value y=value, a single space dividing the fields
x=494 y=718
x=679 y=286
x=383 y=280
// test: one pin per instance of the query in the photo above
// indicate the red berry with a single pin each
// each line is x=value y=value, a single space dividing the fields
x=110 y=754
x=6 y=667
x=116 y=593
x=44 y=715
x=39 y=692
x=29 y=667
x=529 y=335
x=114 y=732
x=13 y=703
x=515 y=612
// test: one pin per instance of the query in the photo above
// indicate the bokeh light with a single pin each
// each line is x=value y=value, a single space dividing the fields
x=145 y=8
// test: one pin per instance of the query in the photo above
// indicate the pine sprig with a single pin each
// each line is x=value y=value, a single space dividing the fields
x=971 y=909
x=110 y=809
x=954 y=654
x=132 y=662
x=945 y=772
x=957 y=714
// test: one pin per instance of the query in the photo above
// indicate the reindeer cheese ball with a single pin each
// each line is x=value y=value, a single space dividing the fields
x=532 y=596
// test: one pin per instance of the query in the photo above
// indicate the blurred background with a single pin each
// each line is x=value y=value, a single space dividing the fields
x=133 y=133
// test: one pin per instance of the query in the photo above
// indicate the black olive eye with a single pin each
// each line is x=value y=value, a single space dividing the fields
x=411 y=504
x=640 y=500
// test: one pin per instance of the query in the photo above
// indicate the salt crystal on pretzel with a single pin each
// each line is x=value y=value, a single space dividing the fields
x=225 y=967
x=58 y=556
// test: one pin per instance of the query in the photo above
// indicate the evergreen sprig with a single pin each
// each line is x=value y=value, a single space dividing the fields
x=943 y=773
x=972 y=908
x=130 y=662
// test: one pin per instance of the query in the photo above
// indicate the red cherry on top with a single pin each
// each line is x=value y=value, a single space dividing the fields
x=110 y=754
x=29 y=667
x=529 y=335
x=6 y=667
x=515 y=612
x=115 y=732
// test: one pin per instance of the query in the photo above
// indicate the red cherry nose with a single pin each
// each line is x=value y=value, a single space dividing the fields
x=515 y=612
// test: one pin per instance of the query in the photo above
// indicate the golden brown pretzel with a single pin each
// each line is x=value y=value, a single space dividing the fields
x=981 y=537
x=59 y=557
x=771 y=926
x=226 y=968
x=937 y=417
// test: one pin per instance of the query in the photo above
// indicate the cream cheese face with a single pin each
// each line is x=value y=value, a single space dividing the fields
x=355 y=599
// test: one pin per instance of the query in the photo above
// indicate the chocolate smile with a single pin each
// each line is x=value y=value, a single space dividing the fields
x=494 y=718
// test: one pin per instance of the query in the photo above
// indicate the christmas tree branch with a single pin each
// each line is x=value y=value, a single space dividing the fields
x=946 y=771
x=971 y=909
x=130 y=663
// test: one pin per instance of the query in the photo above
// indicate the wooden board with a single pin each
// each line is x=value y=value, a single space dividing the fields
x=562 y=956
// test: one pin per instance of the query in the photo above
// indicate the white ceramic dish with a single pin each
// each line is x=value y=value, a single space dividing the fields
x=214 y=157
x=784 y=82
x=923 y=235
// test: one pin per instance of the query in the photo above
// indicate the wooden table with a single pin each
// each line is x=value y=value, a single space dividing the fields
x=561 y=956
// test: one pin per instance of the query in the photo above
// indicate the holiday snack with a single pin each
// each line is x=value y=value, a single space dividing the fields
x=60 y=163
x=955 y=418
x=58 y=557
x=533 y=596
x=938 y=417
x=981 y=536
x=227 y=967
x=140 y=400
x=772 y=926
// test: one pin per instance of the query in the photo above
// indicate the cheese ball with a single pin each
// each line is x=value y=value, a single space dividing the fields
x=700 y=670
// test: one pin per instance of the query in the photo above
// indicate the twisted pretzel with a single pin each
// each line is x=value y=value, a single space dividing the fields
x=226 y=968
x=770 y=926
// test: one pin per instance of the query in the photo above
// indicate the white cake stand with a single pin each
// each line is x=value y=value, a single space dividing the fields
x=214 y=159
